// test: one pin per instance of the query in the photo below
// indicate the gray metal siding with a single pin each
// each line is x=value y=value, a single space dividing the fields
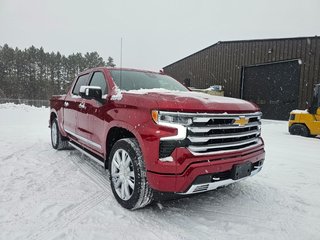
x=221 y=63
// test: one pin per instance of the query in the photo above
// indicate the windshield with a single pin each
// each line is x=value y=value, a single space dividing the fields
x=135 y=80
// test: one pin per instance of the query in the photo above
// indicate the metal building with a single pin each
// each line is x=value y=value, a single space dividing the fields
x=277 y=74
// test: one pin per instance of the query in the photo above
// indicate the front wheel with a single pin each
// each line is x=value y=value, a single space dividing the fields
x=57 y=140
x=128 y=175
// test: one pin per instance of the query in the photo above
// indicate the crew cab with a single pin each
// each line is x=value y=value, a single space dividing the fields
x=155 y=135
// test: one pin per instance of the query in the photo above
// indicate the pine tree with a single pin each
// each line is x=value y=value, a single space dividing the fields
x=110 y=62
x=33 y=73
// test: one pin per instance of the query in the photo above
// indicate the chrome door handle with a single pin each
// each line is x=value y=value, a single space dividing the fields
x=66 y=104
x=82 y=106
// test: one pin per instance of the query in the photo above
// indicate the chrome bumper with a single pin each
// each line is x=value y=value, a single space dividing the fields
x=204 y=187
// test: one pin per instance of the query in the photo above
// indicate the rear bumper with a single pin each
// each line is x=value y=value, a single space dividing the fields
x=204 y=175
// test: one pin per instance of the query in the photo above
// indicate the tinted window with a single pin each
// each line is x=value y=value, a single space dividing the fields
x=82 y=81
x=99 y=81
x=135 y=80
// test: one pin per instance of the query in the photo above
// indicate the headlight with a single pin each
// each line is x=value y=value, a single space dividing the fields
x=168 y=117
x=172 y=120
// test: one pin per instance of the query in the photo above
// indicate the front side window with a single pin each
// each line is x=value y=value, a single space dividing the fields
x=99 y=81
x=135 y=80
x=82 y=81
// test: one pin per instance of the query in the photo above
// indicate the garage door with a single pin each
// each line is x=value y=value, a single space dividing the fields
x=274 y=87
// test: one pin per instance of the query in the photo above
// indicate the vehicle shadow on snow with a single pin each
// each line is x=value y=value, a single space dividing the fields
x=239 y=196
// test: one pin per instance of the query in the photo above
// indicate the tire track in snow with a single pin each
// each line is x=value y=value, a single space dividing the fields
x=19 y=153
x=45 y=232
x=96 y=173
x=99 y=176
x=234 y=213
x=47 y=158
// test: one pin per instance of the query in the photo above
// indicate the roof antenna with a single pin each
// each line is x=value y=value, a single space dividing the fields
x=120 y=64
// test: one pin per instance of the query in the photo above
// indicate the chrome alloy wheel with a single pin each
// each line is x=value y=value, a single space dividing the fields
x=122 y=174
x=54 y=133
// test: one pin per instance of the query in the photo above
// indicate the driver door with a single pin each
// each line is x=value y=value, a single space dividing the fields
x=71 y=106
x=91 y=117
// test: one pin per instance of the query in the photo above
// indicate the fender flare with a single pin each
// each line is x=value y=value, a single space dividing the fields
x=129 y=128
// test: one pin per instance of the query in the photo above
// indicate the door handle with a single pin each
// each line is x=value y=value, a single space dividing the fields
x=82 y=106
x=66 y=104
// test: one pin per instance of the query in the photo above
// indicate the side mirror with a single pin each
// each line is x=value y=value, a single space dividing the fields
x=91 y=92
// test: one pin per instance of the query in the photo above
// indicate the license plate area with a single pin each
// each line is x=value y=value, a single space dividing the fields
x=241 y=170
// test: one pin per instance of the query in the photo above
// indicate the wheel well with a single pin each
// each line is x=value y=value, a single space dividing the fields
x=52 y=117
x=115 y=134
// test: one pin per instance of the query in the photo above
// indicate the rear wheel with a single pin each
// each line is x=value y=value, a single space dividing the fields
x=128 y=175
x=299 y=129
x=57 y=140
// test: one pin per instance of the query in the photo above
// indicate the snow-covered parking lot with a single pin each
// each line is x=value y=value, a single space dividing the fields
x=47 y=194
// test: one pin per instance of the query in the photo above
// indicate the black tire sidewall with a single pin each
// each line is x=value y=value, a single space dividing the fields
x=299 y=129
x=55 y=146
x=304 y=131
x=125 y=145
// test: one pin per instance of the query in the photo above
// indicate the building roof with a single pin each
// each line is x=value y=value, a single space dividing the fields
x=238 y=41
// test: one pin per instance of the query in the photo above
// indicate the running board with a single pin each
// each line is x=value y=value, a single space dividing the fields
x=97 y=160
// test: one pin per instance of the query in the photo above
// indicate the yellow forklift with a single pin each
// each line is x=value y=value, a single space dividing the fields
x=307 y=123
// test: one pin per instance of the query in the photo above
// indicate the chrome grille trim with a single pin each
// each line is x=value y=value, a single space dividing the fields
x=222 y=136
x=258 y=143
x=216 y=133
x=221 y=145
x=224 y=126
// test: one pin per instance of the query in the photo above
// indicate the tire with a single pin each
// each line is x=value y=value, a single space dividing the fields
x=128 y=175
x=299 y=129
x=57 y=140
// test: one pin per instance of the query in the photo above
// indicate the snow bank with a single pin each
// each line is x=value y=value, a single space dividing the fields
x=21 y=107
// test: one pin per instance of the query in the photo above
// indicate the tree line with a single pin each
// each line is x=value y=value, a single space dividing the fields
x=33 y=73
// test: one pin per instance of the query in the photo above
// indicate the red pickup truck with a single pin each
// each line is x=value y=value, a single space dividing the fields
x=155 y=135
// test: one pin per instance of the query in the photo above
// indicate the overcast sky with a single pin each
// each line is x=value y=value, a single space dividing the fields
x=155 y=33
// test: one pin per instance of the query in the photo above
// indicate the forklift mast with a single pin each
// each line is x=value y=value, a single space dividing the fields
x=316 y=100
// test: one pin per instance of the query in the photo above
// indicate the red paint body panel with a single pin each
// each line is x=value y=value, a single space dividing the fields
x=133 y=113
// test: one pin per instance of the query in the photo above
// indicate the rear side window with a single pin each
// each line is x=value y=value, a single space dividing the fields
x=82 y=81
x=99 y=81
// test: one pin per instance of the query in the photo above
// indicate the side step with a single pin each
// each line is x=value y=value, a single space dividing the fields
x=97 y=160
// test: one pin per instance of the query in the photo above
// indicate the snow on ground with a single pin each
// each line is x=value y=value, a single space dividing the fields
x=49 y=194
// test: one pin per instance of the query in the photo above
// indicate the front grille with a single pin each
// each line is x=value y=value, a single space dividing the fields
x=213 y=133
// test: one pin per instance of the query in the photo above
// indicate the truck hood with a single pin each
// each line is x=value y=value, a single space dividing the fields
x=193 y=101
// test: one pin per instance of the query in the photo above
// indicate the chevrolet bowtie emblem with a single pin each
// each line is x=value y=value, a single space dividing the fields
x=242 y=121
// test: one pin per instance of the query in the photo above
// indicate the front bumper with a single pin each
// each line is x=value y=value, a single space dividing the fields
x=213 y=173
x=203 y=187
